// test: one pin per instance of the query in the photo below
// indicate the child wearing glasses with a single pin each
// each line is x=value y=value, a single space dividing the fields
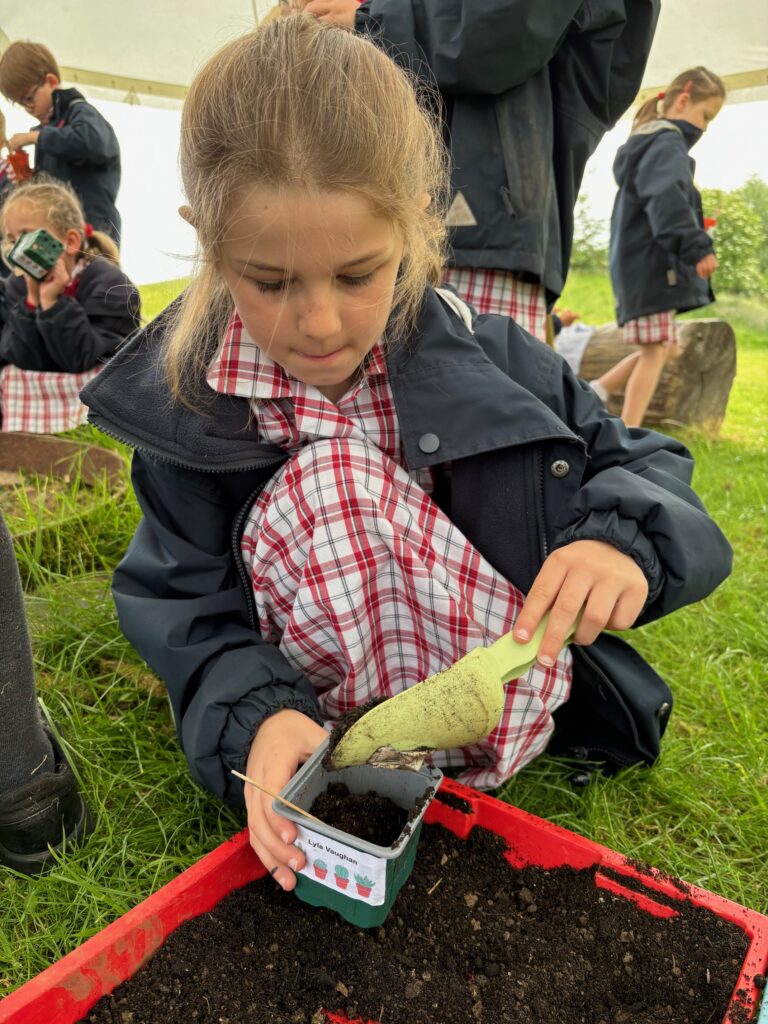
x=73 y=141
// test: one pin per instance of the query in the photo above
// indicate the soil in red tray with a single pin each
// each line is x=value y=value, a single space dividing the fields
x=367 y=816
x=469 y=939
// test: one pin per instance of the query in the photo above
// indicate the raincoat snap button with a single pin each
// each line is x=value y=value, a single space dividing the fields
x=429 y=443
x=559 y=468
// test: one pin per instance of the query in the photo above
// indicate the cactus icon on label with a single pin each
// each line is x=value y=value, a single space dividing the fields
x=364 y=885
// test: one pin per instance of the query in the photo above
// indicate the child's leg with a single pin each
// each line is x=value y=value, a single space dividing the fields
x=642 y=383
x=25 y=750
x=368 y=588
x=616 y=378
x=39 y=799
x=656 y=334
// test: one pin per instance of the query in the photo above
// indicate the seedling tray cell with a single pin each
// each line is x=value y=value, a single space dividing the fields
x=66 y=991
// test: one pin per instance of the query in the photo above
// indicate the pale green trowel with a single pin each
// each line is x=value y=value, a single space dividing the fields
x=453 y=708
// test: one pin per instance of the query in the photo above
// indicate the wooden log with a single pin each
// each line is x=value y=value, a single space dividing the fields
x=694 y=386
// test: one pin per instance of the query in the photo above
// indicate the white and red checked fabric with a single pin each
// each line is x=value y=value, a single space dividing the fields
x=358 y=576
x=654 y=329
x=497 y=291
x=290 y=413
x=42 y=402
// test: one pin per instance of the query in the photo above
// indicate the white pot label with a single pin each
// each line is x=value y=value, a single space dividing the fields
x=343 y=868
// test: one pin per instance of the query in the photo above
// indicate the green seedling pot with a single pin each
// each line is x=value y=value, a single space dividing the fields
x=357 y=879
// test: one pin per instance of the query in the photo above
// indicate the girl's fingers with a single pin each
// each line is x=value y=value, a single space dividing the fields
x=540 y=599
x=564 y=613
x=271 y=836
x=627 y=608
x=596 y=614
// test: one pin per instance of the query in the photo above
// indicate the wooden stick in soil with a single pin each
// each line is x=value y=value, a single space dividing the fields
x=275 y=796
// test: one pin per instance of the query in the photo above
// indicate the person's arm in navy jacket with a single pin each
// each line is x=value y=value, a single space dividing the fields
x=486 y=46
x=86 y=138
x=663 y=182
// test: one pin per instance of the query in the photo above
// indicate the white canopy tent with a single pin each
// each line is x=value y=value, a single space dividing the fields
x=138 y=57
x=147 y=51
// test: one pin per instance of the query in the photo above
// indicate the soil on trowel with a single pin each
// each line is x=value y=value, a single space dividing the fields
x=470 y=940
x=344 y=723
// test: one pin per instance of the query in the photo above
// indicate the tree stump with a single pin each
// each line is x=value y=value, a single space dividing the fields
x=693 y=388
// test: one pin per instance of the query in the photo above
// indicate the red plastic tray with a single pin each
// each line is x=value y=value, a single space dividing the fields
x=67 y=990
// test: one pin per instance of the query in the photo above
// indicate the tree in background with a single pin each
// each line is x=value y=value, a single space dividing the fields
x=590 y=238
x=741 y=236
x=755 y=193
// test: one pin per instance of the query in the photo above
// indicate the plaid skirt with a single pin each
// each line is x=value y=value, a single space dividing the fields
x=497 y=291
x=368 y=588
x=655 y=329
x=39 y=402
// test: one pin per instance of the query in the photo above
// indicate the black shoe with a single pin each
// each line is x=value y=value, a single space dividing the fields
x=42 y=817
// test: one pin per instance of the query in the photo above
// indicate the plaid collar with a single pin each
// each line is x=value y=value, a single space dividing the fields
x=241 y=368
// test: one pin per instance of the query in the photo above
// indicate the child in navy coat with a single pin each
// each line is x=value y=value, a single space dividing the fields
x=661 y=256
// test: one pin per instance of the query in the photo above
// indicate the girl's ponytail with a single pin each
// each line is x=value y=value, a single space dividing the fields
x=98 y=243
x=648 y=112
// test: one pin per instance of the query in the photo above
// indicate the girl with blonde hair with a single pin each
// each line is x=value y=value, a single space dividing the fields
x=58 y=332
x=347 y=480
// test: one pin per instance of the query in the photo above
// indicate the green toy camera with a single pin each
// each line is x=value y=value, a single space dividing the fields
x=36 y=253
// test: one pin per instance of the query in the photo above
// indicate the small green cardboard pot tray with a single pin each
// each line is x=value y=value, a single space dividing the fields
x=357 y=879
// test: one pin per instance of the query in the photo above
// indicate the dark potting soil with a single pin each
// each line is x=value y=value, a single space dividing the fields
x=456 y=803
x=369 y=816
x=469 y=939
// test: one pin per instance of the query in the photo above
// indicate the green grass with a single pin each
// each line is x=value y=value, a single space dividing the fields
x=700 y=813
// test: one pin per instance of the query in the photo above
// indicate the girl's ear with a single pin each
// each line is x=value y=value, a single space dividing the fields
x=73 y=242
x=426 y=199
x=185 y=212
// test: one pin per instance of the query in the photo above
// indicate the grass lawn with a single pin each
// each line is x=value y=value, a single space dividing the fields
x=701 y=812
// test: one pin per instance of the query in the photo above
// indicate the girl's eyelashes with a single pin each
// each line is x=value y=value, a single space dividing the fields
x=278 y=286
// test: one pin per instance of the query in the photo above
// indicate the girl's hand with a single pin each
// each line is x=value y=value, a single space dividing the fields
x=33 y=290
x=707 y=266
x=284 y=741
x=22 y=139
x=589 y=577
x=337 y=12
x=54 y=284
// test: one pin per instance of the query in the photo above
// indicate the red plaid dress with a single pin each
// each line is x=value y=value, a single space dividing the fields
x=498 y=291
x=362 y=581
x=654 y=329
x=43 y=401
